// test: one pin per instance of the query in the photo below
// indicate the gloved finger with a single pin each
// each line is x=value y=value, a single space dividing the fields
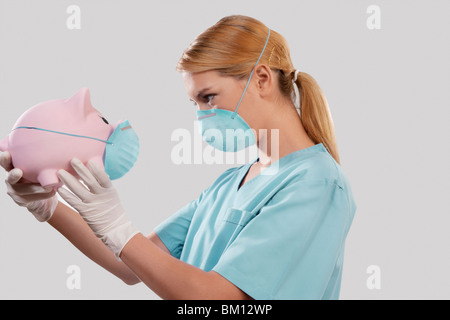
x=26 y=192
x=6 y=161
x=14 y=176
x=28 y=200
x=86 y=175
x=38 y=196
x=70 y=198
x=99 y=174
x=74 y=185
x=24 y=188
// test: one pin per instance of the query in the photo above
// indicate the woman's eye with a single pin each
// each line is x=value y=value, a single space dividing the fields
x=104 y=120
x=208 y=98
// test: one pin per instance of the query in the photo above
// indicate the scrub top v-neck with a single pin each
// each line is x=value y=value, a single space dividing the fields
x=280 y=235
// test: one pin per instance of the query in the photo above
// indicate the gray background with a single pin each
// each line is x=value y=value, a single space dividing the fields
x=388 y=91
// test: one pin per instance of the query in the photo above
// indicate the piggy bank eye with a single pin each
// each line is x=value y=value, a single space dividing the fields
x=104 y=120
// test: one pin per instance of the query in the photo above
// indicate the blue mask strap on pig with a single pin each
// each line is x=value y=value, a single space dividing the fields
x=121 y=151
x=67 y=134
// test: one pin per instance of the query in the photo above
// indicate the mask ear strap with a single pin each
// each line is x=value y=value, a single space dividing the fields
x=251 y=74
x=295 y=95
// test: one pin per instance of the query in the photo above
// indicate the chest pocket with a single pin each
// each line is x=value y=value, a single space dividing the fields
x=238 y=217
x=233 y=222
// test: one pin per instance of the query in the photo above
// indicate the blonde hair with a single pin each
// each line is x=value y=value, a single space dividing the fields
x=233 y=45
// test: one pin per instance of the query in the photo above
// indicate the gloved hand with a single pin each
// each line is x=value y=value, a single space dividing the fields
x=41 y=202
x=99 y=205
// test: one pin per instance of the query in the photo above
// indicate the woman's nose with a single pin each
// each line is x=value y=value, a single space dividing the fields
x=203 y=106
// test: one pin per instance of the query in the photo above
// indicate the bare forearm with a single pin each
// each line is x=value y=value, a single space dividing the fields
x=171 y=278
x=72 y=226
x=145 y=259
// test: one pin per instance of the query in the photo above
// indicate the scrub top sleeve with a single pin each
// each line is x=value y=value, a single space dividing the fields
x=290 y=250
x=173 y=230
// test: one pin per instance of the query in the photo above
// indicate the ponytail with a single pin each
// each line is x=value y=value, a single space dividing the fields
x=315 y=114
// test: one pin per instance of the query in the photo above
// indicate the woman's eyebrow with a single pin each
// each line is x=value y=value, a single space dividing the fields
x=201 y=92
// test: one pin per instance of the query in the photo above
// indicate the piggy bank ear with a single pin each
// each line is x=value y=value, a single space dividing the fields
x=82 y=101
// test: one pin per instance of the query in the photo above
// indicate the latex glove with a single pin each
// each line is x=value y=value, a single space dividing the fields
x=41 y=202
x=98 y=204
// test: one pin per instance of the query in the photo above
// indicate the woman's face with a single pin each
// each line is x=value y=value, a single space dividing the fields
x=209 y=90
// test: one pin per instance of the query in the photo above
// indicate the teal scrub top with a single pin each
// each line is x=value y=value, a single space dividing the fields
x=279 y=236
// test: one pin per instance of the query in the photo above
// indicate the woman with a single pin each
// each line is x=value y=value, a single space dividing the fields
x=271 y=229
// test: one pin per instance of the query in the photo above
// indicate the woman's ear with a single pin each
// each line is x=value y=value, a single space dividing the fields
x=264 y=79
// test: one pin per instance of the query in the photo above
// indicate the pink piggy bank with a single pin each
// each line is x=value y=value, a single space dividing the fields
x=48 y=135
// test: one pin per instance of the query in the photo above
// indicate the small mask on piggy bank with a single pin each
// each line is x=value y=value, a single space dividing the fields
x=50 y=134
